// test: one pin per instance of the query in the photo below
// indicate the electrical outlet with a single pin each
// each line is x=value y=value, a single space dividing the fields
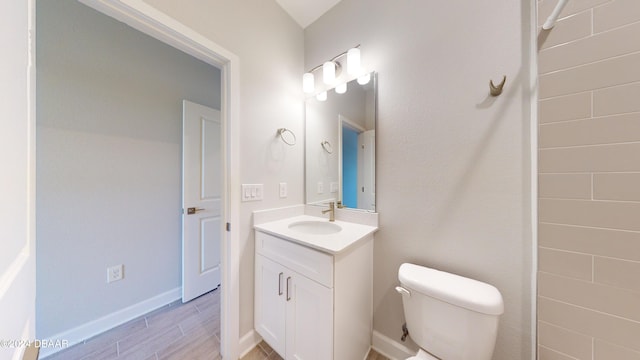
x=115 y=273
x=283 y=190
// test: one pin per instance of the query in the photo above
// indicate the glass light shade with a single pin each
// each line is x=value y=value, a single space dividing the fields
x=364 y=79
x=308 y=85
x=341 y=88
x=322 y=96
x=353 y=61
x=329 y=72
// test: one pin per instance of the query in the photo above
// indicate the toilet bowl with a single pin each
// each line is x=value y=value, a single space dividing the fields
x=449 y=316
x=423 y=355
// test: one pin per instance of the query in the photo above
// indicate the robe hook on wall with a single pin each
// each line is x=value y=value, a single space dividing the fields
x=497 y=90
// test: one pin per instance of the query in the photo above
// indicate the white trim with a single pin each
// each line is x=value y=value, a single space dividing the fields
x=11 y=273
x=151 y=21
x=249 y=341
x=351 y=124
x=18 y=274
x=86 y=331
x=533 y=148
x=390 y=348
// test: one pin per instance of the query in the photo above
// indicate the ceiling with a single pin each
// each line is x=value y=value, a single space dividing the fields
x=305 y=12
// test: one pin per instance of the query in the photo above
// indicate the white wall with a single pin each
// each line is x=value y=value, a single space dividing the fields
x=269 y=45
x=17 y=260
x=109 y=145
x=453 y=165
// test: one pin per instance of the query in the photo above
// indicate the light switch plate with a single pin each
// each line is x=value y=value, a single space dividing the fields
x=320 y=187
x=252 y=192
x=333 y=187
x=283 y=190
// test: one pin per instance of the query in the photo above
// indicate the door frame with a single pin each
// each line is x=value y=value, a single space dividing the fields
x=149 y=20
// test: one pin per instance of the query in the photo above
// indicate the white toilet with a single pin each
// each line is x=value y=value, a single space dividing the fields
x=449 y=316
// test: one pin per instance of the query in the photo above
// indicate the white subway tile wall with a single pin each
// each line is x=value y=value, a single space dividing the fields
x=589 y=182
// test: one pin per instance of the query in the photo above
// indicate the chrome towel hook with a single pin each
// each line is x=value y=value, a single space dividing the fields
x=497 y=90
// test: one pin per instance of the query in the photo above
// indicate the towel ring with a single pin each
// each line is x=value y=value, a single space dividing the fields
x=327 y=146
x=287 y=139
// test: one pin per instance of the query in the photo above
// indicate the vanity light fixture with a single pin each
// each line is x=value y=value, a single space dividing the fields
x=353 y=61
x=364 y=79
x=308 y=85
x=331 y=71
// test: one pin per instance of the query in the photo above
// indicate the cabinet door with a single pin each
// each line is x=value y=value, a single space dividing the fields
x=270 y=302
x=309 y=320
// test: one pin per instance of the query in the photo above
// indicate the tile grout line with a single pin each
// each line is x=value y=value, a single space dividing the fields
x=598 y=61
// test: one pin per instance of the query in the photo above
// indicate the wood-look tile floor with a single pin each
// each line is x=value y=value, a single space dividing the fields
x=265 y=352
x=177 y=331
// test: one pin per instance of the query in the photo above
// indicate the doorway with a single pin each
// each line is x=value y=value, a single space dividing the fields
x=110 y=144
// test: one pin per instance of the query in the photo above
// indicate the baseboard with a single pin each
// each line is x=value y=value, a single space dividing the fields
x=86 y=331
x=390 y=348
x=248 y=342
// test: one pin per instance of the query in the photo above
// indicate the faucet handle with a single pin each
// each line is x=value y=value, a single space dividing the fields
x=331 y=210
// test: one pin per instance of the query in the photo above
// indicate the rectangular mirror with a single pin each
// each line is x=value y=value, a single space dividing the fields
x=340 y=152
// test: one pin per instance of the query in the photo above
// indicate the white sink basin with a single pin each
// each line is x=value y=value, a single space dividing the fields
x=313 y=227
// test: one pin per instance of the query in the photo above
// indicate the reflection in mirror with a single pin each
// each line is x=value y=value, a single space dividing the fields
x=340 y=147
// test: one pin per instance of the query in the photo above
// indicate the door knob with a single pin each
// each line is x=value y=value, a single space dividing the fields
x=192 y=210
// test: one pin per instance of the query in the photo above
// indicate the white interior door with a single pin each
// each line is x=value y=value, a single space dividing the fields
x=202 y=185
x=367 y=170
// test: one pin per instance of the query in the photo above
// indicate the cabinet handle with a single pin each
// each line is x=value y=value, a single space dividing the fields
x=288 y=286
x=280 y=284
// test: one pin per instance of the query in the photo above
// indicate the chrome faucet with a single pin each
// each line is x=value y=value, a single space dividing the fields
x=331 y=211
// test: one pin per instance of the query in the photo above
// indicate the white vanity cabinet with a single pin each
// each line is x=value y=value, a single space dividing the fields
x=312 y=305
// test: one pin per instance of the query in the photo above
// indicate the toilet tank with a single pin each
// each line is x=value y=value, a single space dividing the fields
x=450 y=316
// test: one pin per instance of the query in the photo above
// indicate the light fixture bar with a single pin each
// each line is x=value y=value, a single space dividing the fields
x=333 y=59
x=330 y=73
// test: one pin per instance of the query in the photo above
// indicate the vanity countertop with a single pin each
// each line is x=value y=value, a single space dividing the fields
x=349 y=235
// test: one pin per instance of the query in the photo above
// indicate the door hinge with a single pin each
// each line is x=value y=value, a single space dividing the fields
x=228 y=226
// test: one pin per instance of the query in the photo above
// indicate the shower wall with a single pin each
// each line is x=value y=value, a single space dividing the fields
x=589 y=171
